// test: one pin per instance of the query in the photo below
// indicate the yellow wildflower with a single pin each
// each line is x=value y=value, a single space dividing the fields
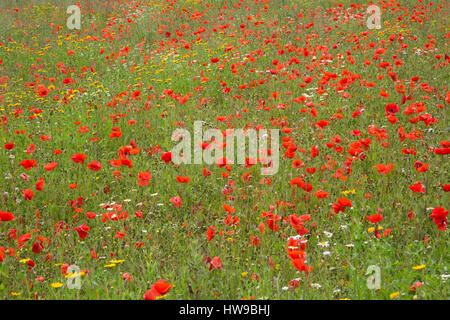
x=394 y=295
x=420 y=267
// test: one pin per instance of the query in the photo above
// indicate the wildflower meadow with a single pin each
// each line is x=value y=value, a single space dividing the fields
x=224 y=149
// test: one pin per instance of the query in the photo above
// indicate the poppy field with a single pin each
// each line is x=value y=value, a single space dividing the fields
x=93 y=204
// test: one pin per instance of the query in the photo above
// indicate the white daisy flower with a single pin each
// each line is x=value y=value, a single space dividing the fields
x=328 y=234
x=323 y=244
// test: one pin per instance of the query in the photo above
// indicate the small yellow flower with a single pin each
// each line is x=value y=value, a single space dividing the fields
x=74 y=275
x=371 y=229
x=420 y=267
x=116 y=261
x=16 y=293
x=346 y=192
x=110 y=265
x=394 y=295
x=57 y=285
x=244 y=273
x=24 y=260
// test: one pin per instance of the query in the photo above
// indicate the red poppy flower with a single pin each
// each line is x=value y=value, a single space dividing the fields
x=50 y=166
x=40 y=184
x=384 y=169
x=321 y=194
x=311 y=170
x=9 y=146
x=417 y=187
x=28 y=194
x=6 y=216
x=206 y=172
x=37 y=247
x=93 y=254
x=23 y=238
x=31 y=264
x=439 y=216
x=392 y=108
x=375 y=218
x=166 y=157
x=228 y=208
x=300 y=265
x=183 y=179
x=345 y=202
x=159 y=288
x=272 y=224
x=215 y=263
x=262 y=227
x=222 y=162
x=42 y=90
x=144 y=178
x=176 y=201
x=95 y=166
x=314 y=151
x=91 y=215
x=82 y=231
x=442 y=151
x=136 y=94
x=210 y=233
x=28 y=164
x=115 y=133
x=322 y=123
x=297 y=163
x=78 y=157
